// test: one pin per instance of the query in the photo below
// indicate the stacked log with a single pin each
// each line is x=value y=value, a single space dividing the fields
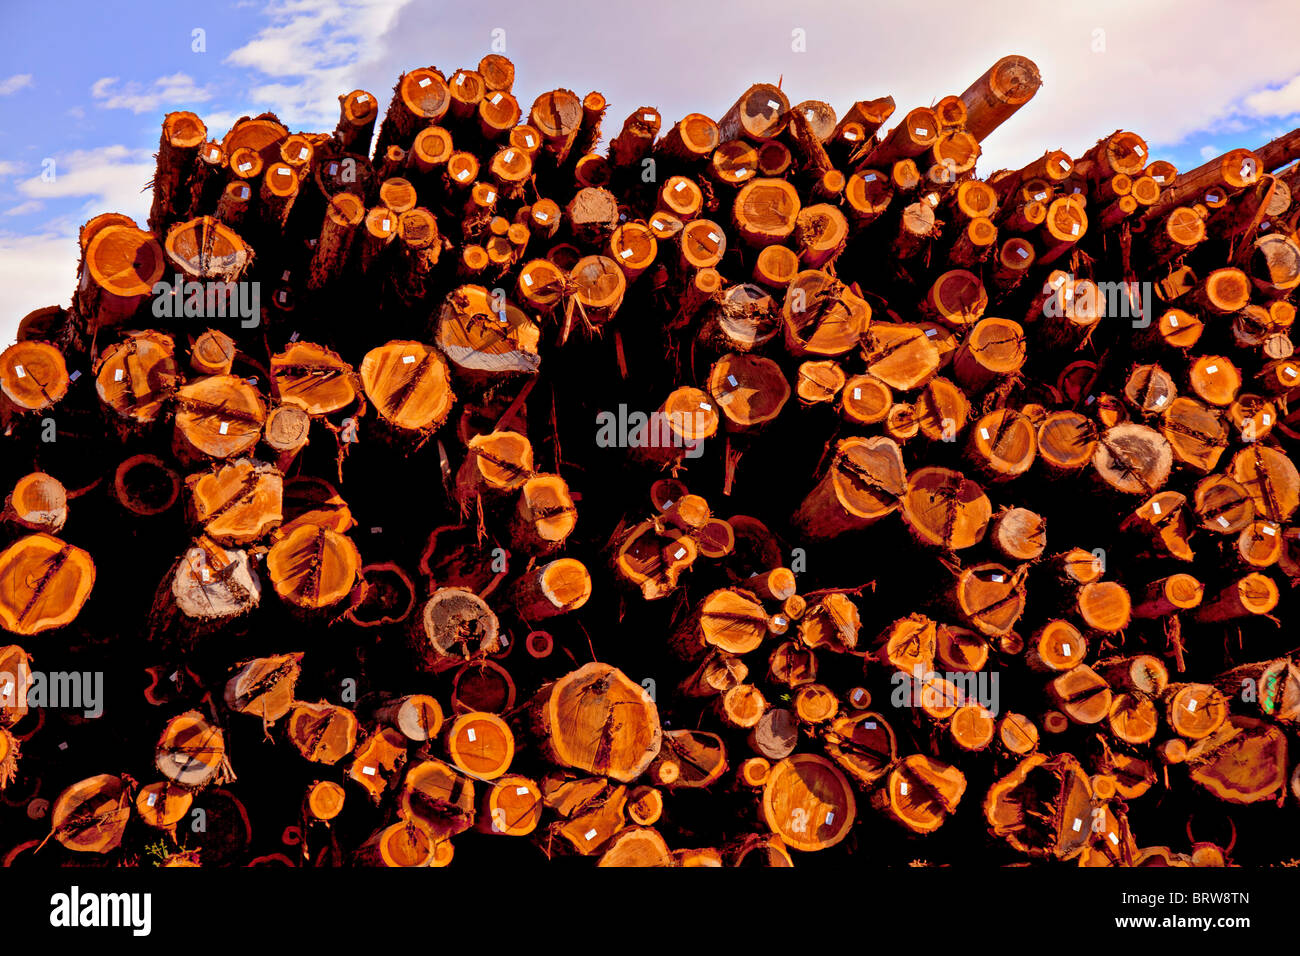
x=923 y=507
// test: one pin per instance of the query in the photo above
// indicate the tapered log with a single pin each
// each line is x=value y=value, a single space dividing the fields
x=864 y=482
x=556 y=588
x=992 y=99
x=1254 y=594
x=758 y=115
x=1170 y=595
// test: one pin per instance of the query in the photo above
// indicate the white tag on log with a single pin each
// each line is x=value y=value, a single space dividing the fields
x=984 y=433
x=463 y=175
x=496 y=99
x=999 y=578
x=1173 y=321
x=541 y=217
x=931 y=333
x=625 y=253
x=1040 y=196
x=471 y=735
x=368 y=771
x=681 y=553
x=1065 y=165
x=363 y=98
x=1139 y=150
x=1020 y=251
x=117 y=375
x=1191 y=706
x=509 y=156
x=527 y=280
x=590 y=835
x=528 y=139
x=1160 y=400
x=1223 y=522
x=1077 y=824
x=77 y=374
x=1264 y=418
x=870 y=725
x=1268 y=531
x=520 y=791
x=408 y=359
x=648 y=117
x=830 y=818
x=1065 y=650
x=869 y=177
x=491 y=197
x=385 y=225
x=706 y=406
x=902 y=788
x=731 y=380
x=153 y=798
x=225 y=426
x=460 y=79
x=668 y=504
x=424 y=81
x=1155 y=507
x=774 y=104
x=1211 y=369
x=713 y=237
x=245 y=167
x=679 y=187
x=857 y=394
x=1114 y=839
x=19 y=370
x=850 y=135
x=1074 y=229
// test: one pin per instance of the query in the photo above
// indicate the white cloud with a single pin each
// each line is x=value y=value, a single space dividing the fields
x=1284 y=101
x=110 y=179
x=35 y=271
x=8 y=167
x=15 y=83
x=22 y=209
x=316 y=52
x=1209 y=152
x=172 y=92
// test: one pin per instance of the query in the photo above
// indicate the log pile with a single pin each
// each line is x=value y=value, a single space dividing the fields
x=754 y=491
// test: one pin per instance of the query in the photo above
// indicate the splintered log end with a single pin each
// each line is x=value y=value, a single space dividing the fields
x=920 y=792
x=455 y=626
x=264 y=687
x=237 y=503
x=377 y=761
x=323 y=732
x=90 y=816
x=597 y=720
x=545 y=514
x=865 y=482
x=211 y=584
x=1043 y=808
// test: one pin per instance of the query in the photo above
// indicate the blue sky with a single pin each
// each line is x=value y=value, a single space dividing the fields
x=87 y=84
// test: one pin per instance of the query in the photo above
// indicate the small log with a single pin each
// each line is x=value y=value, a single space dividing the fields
x=436 y=795
x=511 y=806
x=993 y=98
x=556 y=588
x=1170 y=595
x=192 y=752
x=759 y=114
x=1019 y=534
x=1082 y=695
x=480 y=744
x=417 y=717
x=1254 y=594
x=728 y=620
x=402 y=844
x=237 y=503
x=377 y=762
x=1194 y=711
